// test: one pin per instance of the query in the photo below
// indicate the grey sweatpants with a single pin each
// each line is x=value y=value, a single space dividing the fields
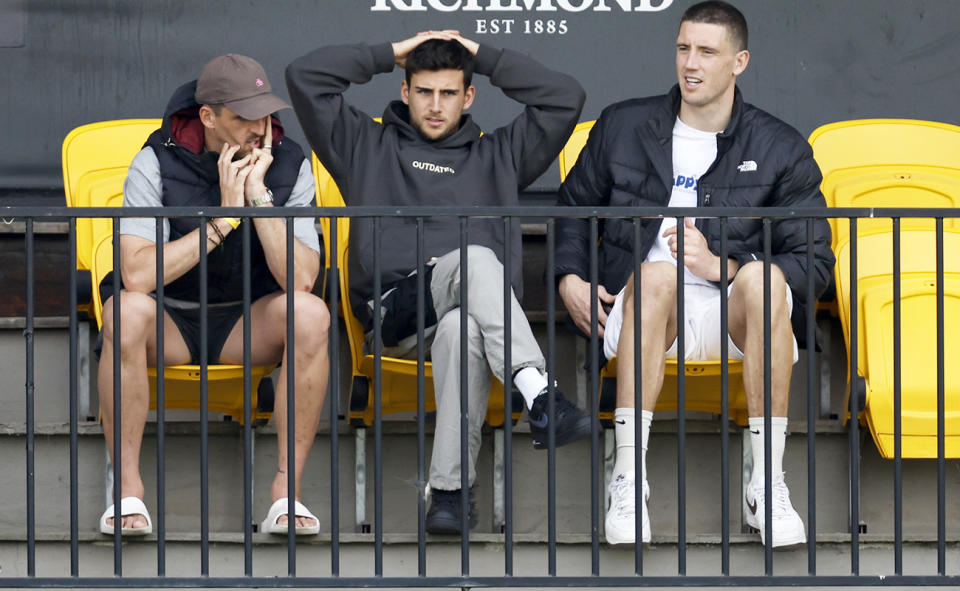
x=485 y=346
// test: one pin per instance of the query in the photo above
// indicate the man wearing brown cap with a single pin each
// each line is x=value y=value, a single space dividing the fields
x=219 y=145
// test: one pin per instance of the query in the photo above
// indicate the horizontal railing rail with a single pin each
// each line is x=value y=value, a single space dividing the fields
x=510 y=217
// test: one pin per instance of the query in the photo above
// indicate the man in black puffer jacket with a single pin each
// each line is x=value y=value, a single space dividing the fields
x=219 y=145
x=700 y=145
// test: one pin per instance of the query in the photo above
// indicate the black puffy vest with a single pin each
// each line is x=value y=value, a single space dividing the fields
x=193 y=180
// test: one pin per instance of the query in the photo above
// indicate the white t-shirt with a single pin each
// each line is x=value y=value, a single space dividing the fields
x=693 y=153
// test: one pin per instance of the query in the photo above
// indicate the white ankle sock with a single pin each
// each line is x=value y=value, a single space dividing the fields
x=778 y=435
x=530 y=382
x=624 y=428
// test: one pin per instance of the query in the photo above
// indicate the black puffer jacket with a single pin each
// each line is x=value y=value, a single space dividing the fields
x=761 y=161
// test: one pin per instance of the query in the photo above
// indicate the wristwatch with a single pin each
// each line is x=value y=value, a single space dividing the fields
x=263 y=199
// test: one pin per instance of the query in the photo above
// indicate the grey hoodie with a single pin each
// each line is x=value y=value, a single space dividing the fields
x=392 y=164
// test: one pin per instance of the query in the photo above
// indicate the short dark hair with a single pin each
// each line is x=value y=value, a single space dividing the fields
x=717 y=12
x=437 y=54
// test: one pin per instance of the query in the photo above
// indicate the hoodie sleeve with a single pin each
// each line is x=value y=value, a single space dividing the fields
x=316 y=83
x=553 y=103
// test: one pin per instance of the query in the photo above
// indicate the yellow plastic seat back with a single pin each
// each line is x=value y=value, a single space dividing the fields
x=95 y=159
x=887 y=163
x=571 y=150
x=875 y=332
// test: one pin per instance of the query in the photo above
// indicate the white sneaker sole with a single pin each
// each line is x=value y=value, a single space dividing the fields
x=781 y=544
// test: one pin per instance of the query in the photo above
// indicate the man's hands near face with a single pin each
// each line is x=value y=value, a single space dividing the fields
x=697 y=256
x=233 y=176
x=575 y=293
x=401 y=49
x=242 y=180
x=261 y=159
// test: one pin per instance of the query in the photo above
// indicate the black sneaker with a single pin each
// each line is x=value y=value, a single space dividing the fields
x=444 y=514
x=572 y=423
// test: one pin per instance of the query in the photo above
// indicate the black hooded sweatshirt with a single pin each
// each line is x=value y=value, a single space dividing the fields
x=392 y=164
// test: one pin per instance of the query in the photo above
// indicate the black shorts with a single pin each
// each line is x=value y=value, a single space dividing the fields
x=220 y=321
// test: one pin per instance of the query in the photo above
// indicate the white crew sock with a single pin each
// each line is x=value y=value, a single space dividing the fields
x=624 y=428
x=530 y=382
x=778 y=436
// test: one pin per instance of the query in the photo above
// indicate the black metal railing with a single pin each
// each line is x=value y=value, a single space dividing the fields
x=508 y=578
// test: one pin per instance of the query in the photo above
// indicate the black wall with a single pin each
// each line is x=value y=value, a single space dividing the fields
x=813 y=61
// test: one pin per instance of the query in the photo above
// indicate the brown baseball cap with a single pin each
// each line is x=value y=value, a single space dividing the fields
x=240 y=83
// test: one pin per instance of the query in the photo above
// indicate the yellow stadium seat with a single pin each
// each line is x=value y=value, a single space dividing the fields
x=95 y=162
x=875 y=328
x=702 y=378
x=884 y=163
x=399 y=376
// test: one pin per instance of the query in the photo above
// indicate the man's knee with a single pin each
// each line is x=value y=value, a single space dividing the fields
x=482 y=260
x=138 y=313
x=748 y=286
x=311 y=320
x=658 y=285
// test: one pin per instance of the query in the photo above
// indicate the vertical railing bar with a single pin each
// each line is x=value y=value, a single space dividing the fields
x=28 y=336
x=161 y=407
x=246 y=224
x=897 y=407
x=74 y=406
x=334 y=395
x=767 y=403
x=464 y=404
x=377 y=404
x=290 y=367
x=508 y=394
x=941 y=394
x=421 y=406
x=638 y=463
x=854 y=427
x=204 y=404
x=681 y=409
x=117 y=410
x=811 y=402
x=551 y=409
x=594 y=408
x=724 y=403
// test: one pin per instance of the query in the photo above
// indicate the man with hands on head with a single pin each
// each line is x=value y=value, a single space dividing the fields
x=428 y=152
x=219 y=145
x=700 y=145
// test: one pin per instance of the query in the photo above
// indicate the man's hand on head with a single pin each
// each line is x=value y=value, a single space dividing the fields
x=261 y=159
x=575 y=293
x=401 y=49
x=233 y=175
x=697 y=256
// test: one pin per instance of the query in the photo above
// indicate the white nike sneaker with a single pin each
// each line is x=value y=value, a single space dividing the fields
x=787 y=527
x=620 y=525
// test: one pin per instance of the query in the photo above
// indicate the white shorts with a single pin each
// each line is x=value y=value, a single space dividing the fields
x=701 y=338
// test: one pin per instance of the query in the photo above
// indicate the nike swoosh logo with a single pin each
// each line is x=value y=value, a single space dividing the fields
x=752 y=506
x=621 y=422
x=539 y=424
x=757 y=432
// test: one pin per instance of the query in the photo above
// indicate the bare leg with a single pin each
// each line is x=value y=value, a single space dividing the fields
x=659 y=324
x=138 y=350
x=268 y=320
x=746 y=330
